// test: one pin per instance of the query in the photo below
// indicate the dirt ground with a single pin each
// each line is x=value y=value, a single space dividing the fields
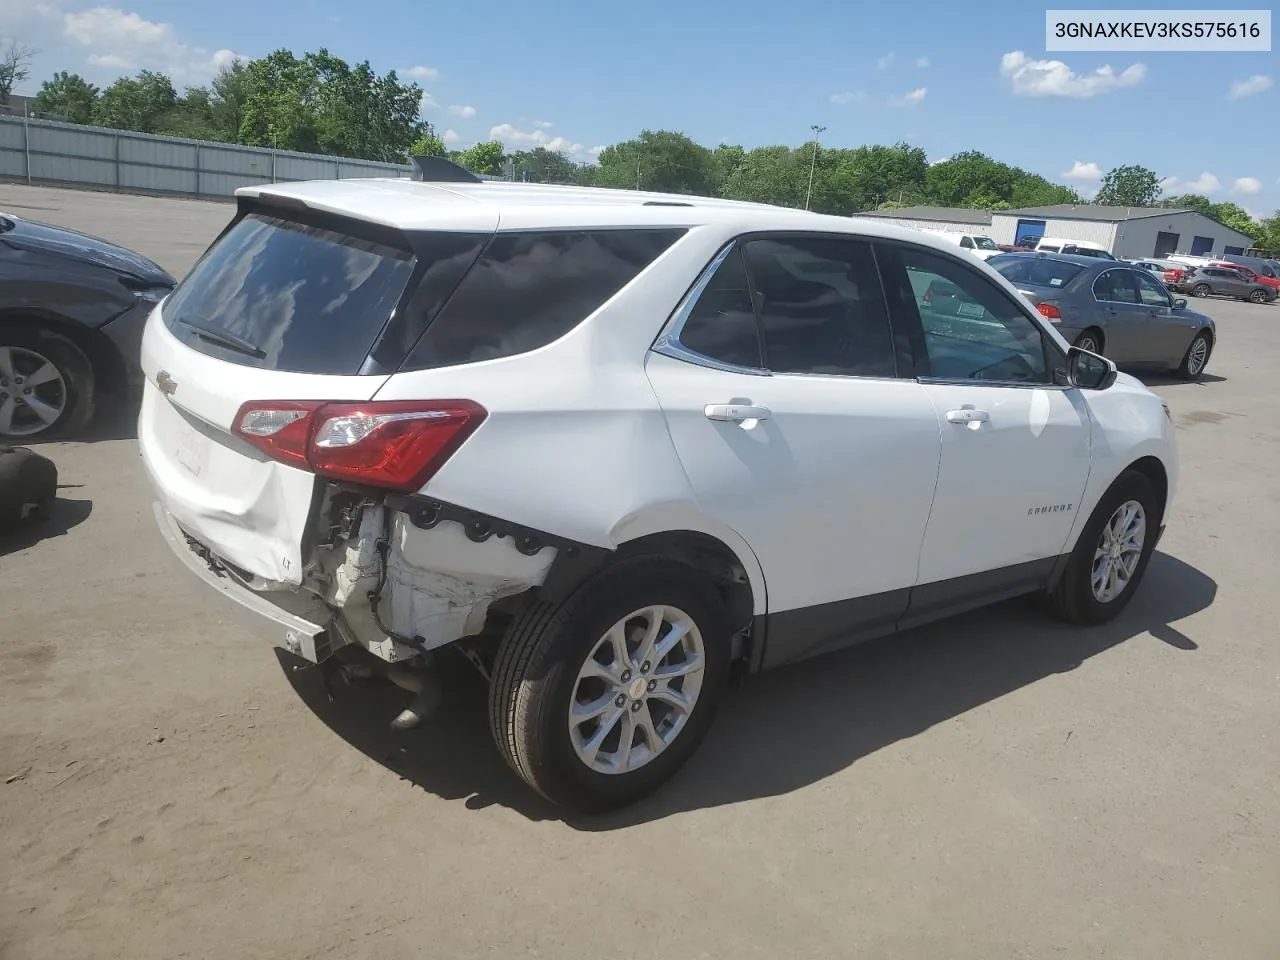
x=997 y=786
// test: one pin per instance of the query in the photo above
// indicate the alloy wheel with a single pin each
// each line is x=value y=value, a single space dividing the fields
x=1119 y=550
x=636 y=691
x=33 y=392
x=1198 y=356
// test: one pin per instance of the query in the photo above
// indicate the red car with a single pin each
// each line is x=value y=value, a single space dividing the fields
x=1248 y=274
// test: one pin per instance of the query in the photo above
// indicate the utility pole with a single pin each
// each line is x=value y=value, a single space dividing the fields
x=813 y=161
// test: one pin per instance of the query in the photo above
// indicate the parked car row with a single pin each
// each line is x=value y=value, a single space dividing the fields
x=1228 y=280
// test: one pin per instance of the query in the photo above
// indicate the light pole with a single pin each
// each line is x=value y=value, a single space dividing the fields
x=813 y=161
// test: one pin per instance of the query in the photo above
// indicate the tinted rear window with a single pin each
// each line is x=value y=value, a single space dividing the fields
x=529 y=289
x=1036 y=271
x=290 y=296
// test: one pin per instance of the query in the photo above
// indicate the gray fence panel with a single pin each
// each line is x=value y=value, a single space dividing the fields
x=153 y=179
x=293 y=167
x=72 y=142
x=54 y=152
x=149 y=151
x=72 y=170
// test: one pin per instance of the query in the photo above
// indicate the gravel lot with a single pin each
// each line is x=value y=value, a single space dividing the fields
x=997 y=786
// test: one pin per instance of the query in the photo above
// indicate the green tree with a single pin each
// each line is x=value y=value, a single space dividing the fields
x=660 y=160
x=1190 y=201
x=1269 y=233
x=135 y=103
x=550 y=166
x=428 y=145
x=967 y=175
x=67 y=96
x=483 y=158
x=1237 y=218
x=320 y=104
x=776 y=175
x=1129 y=186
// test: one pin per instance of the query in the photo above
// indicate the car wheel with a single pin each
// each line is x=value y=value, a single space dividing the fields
x=1200 y=290
x=1257 y=296
x=598 y=701
x=1111 y=555
x=1090 y=340
x=46 y=384
x=1197 y=357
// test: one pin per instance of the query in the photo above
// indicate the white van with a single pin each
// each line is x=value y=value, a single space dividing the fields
x=984 y=248
x=1081 y=248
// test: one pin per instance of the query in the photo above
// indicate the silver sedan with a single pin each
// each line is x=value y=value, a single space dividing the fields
x=1115 y=309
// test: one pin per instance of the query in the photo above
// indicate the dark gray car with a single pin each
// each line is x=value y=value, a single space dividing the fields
x=1114 y=309
x=1225 y=282
x=72 y=309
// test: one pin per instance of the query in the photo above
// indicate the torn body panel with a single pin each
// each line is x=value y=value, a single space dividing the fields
x=401 y=589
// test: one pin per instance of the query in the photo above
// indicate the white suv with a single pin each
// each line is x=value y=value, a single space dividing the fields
x=615 y=447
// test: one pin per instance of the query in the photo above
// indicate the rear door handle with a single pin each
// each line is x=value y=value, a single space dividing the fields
x=734 y=412
x=968 y=416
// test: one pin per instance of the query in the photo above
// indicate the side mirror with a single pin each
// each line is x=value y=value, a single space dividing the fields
x=1088 y=371
x=1180 y=303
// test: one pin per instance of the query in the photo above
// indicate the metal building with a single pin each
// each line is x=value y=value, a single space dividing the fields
x=1126 y=231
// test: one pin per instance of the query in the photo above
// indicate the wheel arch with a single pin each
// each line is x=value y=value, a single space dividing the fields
x=106 y=364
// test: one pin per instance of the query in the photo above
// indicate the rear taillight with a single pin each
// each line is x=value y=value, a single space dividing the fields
x=1049 y=311
x=398 y=445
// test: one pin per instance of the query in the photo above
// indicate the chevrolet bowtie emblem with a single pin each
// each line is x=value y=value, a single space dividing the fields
x=166 y=383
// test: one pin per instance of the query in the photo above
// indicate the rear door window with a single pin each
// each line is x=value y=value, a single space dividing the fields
x=285 y=295
x=529 y=289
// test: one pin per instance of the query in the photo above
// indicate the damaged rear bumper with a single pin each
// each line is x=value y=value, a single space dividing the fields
x=299 y=635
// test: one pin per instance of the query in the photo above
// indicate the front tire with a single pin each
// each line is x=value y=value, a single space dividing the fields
x=1257 y=296
x=46 y=384
x=1111 y=555
x=597 y=702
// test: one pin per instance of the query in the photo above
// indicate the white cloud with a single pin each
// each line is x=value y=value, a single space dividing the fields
x=1247 y=185
x=1053 y=78
x=1085 y=172
x=909 y=99
x=1248 y=88
x=451 y=137
x=462 y=110
x=596 y=151
x=923 y=63
x=849 y=96
x=934 y=163
x=426 y=102
x=120 y=40
x=884 y=62
x=543 y=124
x=1206 y=184
x=422 y=73
x=510 y=137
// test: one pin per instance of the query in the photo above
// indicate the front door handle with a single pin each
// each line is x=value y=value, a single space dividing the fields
x=734 y=412
x=968 y=415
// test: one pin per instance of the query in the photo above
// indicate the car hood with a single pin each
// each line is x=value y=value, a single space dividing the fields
x=45 y=238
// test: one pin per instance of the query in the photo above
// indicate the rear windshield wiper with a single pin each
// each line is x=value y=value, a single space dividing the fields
x=224 y=339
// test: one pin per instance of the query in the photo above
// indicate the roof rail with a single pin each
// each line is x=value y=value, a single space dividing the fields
x=667 y=203
x=440 y=170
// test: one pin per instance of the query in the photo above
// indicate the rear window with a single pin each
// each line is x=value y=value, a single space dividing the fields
x=529 y=289
x=290 y=296
x=1036 y=271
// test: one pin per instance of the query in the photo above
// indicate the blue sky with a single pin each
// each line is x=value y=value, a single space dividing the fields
x=575 y=75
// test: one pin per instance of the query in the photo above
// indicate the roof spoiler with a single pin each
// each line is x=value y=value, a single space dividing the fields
x=440 y=170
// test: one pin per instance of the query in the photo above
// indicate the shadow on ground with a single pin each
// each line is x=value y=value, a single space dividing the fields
x=1169 y=380
x=60 y=517
x=116 y=420
x=763 y=743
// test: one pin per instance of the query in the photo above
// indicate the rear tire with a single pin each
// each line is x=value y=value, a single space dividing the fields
x=549 y=661
x=1091 y=340
x=1197 y=357
x=28 y=351
x=1077 y=598
x=1258 y=296
x=1201 y=290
